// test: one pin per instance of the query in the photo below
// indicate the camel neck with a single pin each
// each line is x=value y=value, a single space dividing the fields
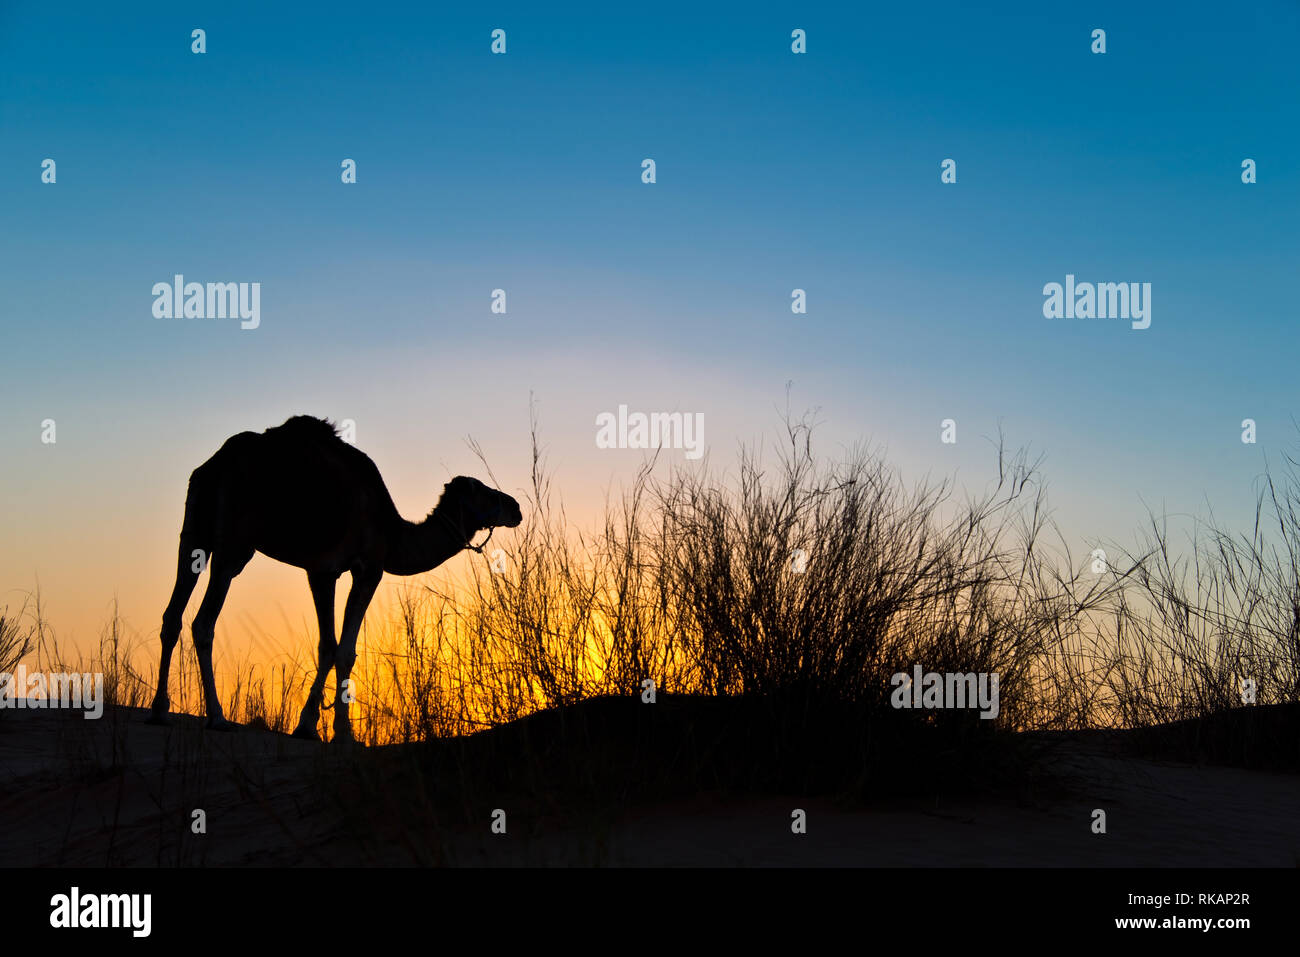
x=420 y=546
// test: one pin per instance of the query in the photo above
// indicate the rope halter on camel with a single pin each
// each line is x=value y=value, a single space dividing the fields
x=479 y=548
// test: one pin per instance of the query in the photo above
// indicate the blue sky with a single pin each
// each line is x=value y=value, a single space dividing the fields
x=775 y=171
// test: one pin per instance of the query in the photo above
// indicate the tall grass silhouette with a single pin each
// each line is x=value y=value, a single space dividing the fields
x=16 y=636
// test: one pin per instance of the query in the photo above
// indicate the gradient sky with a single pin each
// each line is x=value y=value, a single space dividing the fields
x=522 y=171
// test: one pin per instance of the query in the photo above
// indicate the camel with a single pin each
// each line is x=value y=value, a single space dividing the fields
x=300 y=494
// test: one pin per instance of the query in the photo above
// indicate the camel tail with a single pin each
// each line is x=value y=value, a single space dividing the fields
x=198 y=525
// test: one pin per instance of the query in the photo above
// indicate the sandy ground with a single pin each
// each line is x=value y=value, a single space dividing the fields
x=119 y=792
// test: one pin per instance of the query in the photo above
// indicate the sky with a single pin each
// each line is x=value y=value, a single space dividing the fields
x=522 y=171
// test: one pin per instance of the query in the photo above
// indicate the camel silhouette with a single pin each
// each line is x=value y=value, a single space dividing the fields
x=302 y=495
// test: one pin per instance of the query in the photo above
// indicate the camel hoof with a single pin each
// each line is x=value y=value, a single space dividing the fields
x=220 y=724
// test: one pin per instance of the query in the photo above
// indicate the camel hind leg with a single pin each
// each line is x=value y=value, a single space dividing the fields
x=189 y=565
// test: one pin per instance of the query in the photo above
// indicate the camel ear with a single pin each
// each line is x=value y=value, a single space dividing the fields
x=460 y=487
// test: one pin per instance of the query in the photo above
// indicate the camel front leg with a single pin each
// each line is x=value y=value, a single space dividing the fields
x=322 y=594
x=363 y=589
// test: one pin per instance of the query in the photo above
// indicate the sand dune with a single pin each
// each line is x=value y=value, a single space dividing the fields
x=120 y=792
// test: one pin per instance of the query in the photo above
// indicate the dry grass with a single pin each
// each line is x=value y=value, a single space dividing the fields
x=17 y=636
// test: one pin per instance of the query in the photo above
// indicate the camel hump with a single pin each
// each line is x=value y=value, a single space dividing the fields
x=308 y=425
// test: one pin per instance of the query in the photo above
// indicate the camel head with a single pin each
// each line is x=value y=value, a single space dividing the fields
x=472 y=506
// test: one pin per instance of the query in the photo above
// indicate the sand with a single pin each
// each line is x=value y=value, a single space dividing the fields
x=119 y=792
